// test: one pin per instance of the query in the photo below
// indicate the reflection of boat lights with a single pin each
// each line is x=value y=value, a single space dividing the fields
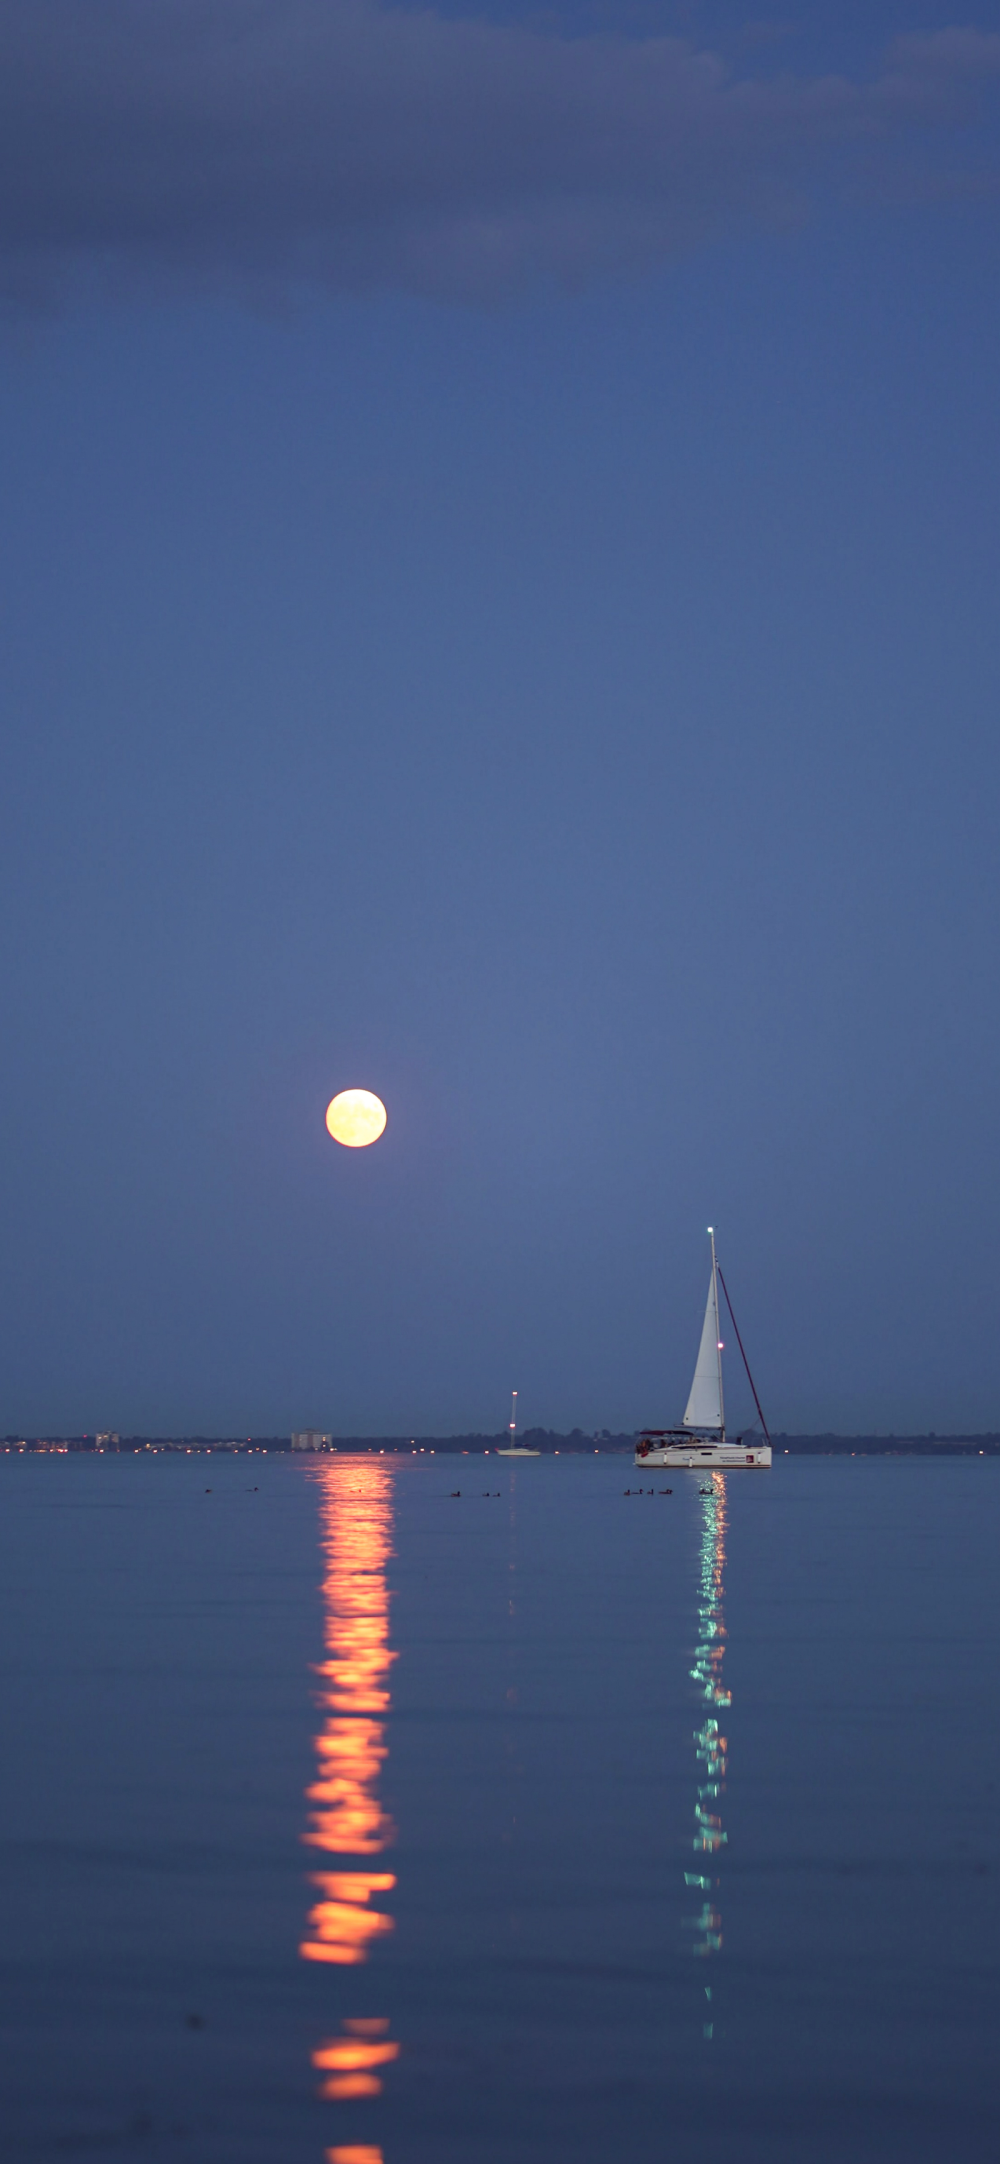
x=346 y=1819
x=710 y=1745
x=708 y=1922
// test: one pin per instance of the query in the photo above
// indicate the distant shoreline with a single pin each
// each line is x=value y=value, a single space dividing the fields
x=545 y=1440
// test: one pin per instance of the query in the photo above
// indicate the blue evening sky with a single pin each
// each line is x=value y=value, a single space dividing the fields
x=535 y=657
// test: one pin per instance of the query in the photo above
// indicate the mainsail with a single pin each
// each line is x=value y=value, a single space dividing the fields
x=704 y=1406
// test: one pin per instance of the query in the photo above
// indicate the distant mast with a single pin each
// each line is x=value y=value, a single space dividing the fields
x=512 y=1448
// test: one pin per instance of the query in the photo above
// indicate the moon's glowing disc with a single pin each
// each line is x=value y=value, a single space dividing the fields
x=355 y=1118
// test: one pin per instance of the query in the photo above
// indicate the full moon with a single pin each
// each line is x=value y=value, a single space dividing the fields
x=355 y=1118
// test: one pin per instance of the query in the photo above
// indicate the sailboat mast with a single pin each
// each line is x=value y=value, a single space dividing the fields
x=718 y=1340
x=513 y=1418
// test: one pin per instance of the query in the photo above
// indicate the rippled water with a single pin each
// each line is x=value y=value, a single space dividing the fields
x=344 y=1818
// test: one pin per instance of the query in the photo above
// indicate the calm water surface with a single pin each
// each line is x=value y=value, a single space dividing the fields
x=348 y=1821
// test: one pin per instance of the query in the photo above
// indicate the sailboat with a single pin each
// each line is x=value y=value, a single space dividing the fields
x=701 y=1440
x=514 y=1449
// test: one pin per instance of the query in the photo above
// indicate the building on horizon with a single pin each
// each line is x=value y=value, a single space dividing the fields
x=310 y=1439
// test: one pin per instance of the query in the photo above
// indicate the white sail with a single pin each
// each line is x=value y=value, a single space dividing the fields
x=704 y=1406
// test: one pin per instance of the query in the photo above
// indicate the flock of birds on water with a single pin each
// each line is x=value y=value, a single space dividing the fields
x=493 y=1494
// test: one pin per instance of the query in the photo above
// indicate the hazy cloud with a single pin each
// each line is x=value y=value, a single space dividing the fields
x=340 y=142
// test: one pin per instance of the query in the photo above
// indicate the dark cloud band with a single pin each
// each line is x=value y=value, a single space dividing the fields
x=276 y=142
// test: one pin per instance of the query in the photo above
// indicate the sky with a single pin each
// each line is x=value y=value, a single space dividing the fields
x=498 y=607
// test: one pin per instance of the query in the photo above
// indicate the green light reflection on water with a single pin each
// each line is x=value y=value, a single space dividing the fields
x=710 y=1744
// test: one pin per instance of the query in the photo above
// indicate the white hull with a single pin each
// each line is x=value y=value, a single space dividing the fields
x=517 y=1452
x=706 y=1457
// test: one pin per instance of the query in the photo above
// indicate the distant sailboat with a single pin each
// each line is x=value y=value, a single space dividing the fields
x=701 y=1440
x=514 y=1449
